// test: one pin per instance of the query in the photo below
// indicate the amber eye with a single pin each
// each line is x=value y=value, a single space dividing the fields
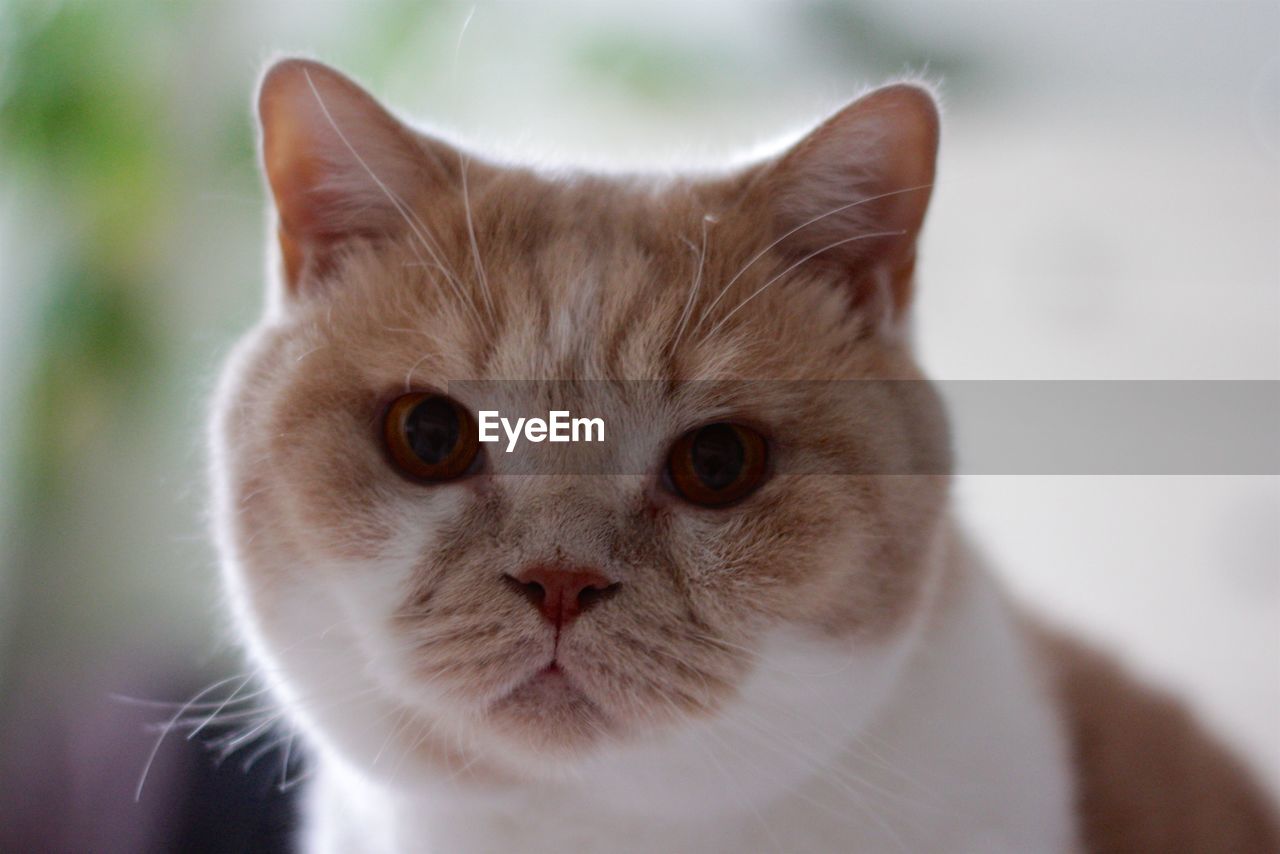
x=430 y=436
x=717 y=464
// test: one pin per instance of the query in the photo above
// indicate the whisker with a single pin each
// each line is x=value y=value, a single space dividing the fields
x=463 y=163
x=218 y=710
x=252 y=758
x=175 y=704
x=765 y=251
x=391 y=734
x=155 y=749
x=408 y=376
x=707 y=219
x=457 y=47
x=284 y=765
x=229 y=744
x=793 y=266
x=290 y=785
x=416 y=226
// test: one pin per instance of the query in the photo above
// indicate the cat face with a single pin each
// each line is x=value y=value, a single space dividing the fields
x=513 y=623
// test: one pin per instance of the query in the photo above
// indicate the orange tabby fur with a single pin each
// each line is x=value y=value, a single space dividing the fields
x=1148 y=776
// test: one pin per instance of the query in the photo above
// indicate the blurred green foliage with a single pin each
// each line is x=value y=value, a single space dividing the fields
x=80 y=119
x=82 y=111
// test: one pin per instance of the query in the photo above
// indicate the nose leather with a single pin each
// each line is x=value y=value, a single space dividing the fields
x=561 y=593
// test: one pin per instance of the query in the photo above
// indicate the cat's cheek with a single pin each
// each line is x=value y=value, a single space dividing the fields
x=807 y=549
x=355 y=510
x=334 y=502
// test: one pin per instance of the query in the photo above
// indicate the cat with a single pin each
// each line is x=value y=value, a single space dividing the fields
x=733 y=642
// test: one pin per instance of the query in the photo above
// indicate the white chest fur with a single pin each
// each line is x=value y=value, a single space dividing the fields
x=964 y=755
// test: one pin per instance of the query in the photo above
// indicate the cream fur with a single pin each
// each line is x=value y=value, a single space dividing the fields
x=801 y=762
x=820 y=666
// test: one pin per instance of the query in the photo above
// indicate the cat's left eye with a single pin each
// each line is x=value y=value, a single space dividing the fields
x=430 y=436
x=717 y=464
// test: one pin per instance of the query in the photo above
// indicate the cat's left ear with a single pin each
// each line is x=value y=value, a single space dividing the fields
x=852 y=194
x=340 y=166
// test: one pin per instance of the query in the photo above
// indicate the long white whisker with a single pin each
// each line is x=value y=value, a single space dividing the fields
x=791 y=267
x=707 y=220
x=171 y=704
x=408 y=376
x=155 y=749
x=230 y=745
x=457 y=47
x=262 y=751
x=415 y=225
x=219 y=709
x=751 y=262
x=391 y=734
x=463 y=163
x=284 y=764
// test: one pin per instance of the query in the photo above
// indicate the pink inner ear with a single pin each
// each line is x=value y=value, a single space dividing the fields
x=293 y=173
x=854 y=192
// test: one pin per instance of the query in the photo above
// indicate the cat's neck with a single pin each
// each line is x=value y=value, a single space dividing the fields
x=967 y=733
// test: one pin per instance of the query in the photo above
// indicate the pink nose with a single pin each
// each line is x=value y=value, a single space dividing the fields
x=562 y=593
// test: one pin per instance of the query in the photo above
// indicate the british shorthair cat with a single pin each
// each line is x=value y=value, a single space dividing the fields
x=753 y=626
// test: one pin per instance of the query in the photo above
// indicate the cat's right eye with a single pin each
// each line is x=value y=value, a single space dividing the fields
x=430 y=436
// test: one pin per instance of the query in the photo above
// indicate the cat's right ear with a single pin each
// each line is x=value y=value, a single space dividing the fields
x=853 y=193
x=340 y=166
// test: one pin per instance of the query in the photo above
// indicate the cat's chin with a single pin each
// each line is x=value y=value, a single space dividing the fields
x=549 y=715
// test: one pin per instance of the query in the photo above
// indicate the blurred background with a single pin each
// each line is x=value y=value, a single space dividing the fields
x=1108 y=208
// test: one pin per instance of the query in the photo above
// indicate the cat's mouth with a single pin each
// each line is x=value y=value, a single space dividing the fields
x=553 y=680
x=550 y=711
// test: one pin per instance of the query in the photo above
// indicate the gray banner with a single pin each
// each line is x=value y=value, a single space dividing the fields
x=895 y=427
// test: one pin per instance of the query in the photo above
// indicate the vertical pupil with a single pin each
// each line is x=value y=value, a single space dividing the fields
x=718 y=456
x=432 y=429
